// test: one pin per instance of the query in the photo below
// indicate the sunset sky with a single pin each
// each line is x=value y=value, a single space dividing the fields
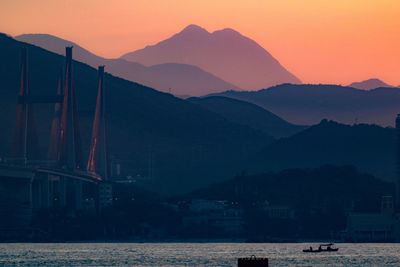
x=320 y=41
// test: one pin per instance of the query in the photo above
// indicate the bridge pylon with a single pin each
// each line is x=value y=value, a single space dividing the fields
x=70 y=152
x=25 y=136
x=98 y=154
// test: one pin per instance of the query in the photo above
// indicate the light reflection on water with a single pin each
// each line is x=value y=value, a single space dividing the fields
x=193 y=254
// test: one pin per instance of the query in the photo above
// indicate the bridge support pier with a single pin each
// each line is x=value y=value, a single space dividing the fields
x=15 y=200
x=62 y=191
x=78 y=194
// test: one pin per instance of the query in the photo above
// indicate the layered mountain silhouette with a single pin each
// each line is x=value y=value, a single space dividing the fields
x=225 y=53
x=245 y=113
x=369 y=147
x=309 y=104
x=188 y=145
x=369 y=84
x=196 y=142
x=178 y=79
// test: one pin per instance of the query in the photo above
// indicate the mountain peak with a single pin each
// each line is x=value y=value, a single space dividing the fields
x=193 y=28
x=225 y=53
x=182 y=79
x=370 y=84
x=229 y=31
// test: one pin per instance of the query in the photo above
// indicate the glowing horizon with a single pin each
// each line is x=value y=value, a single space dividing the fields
x=319 y=41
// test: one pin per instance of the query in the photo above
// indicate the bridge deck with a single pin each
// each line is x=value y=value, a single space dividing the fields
x=31 y=172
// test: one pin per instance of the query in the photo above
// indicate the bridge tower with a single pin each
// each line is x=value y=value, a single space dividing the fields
x=98 y=159
x=98 y=154
x=53 y=152
x=25 y=137
x=70 y=152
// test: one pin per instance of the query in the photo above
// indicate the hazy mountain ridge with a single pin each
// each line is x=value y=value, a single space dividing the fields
x=307 y=104
x=246 y=113
x=190 y=145
x=190 y=142
x=369 y=84
x=226 y=53
x=179 y=79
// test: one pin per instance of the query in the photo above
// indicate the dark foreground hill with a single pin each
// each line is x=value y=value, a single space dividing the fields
x=246 y=113
x=309 y=104
x=301 y=188
x=308 y=203
x=171 y=143
x=369 y=147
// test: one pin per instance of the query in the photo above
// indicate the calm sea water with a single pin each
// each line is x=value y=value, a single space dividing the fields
x=192 y=254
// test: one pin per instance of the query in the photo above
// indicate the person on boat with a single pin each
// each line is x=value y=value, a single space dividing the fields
x=310 y=248
x=319 y=248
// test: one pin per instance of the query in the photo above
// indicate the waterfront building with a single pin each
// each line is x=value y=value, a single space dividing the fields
x=279 y=211
x=375 y=227
x=218 y=215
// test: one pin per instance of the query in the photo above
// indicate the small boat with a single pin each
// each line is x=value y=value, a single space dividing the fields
x=322 y=248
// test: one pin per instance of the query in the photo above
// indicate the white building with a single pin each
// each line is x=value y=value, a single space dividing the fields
x=279 y=211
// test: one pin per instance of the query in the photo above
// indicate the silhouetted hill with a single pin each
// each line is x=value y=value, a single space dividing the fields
x=179 y=79
x=369 y=147
x=312 y=203
x=187 y=145
x=246 y=113
x=309 y=104
x=301 y=188
x=225 y=53
x=369 y=84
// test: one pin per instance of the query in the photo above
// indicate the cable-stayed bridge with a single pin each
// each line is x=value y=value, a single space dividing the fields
x=64 y=179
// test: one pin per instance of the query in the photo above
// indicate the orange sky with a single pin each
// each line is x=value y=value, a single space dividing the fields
x=320 y=41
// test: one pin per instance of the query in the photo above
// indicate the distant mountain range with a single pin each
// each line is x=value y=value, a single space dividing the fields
x=246 y=113
x=309 y=104
x=225 y=53
x=199 y=141
x=371 y=148
x=193 y=62
x=189 y=145
x=369 y=84
x=178 y=79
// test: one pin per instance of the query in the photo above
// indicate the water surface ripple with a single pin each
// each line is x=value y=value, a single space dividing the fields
x=192 y=254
